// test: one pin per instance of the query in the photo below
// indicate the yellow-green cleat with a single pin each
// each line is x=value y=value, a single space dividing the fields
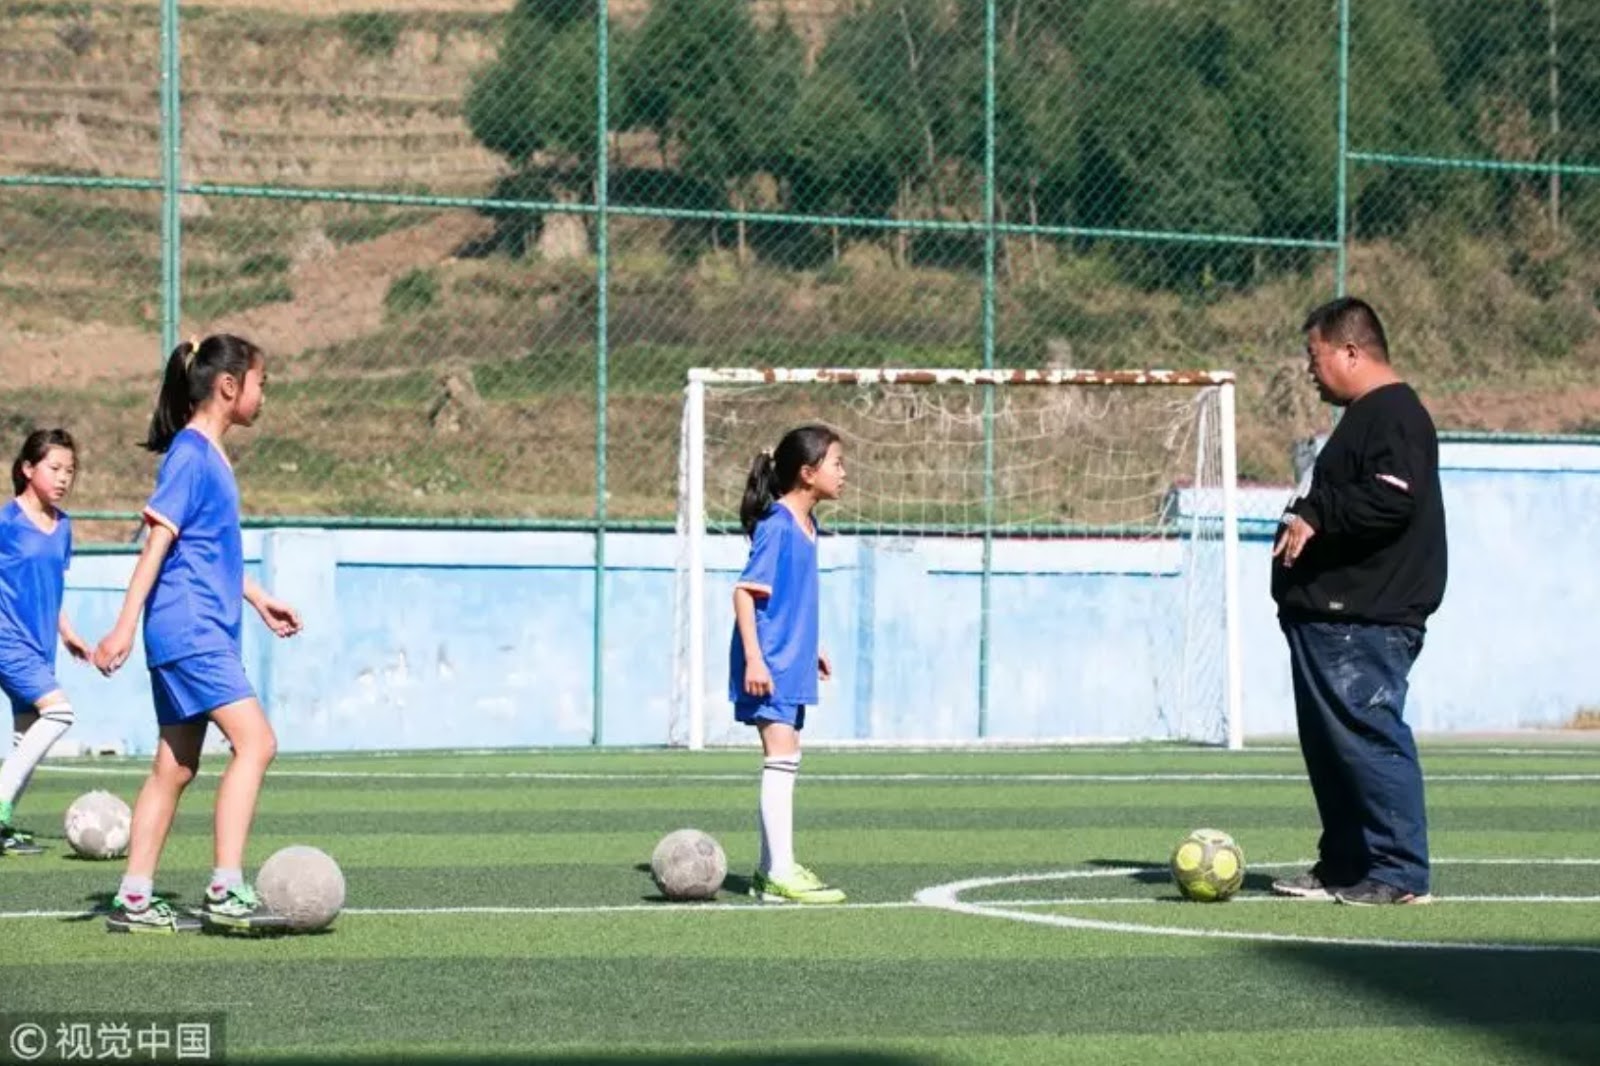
x=800 y=886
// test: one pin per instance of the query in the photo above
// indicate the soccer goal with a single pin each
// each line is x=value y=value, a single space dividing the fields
x=1019 y=556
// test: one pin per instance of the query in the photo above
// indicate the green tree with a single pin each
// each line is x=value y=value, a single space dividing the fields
x=1398 y=103
x=538 y=99
x=539 y=93
x=1522 y=78
x=714 y=91
x=1037 y=108
x=900 y=61
x=839 y=159
x=1158 y=145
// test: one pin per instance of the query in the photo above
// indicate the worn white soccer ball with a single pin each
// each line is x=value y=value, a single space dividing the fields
x=304 y=885
x=688 y=864
x=98 y=825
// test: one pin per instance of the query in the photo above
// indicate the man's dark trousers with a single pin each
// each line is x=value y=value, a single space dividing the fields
x=1350 y=682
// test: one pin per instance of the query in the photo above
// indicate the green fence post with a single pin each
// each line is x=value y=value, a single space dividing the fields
x=171 y=178
x=602 y=195
x=1341 y=193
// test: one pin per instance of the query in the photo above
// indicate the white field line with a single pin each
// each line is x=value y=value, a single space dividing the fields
x=918 y=901
x=947 y=897
x=749 y=908
x=1588 y=749
x=743 y=778
x=1102 y=901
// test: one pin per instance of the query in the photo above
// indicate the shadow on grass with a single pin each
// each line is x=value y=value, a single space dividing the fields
x=1541 y=1003
x=1155 y=872
x=733 y=885
x=98 y=905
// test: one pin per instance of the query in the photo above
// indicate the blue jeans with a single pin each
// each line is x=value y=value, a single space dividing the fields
x=1350 y=696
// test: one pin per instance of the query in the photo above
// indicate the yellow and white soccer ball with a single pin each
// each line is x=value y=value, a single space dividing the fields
x=1208 y=866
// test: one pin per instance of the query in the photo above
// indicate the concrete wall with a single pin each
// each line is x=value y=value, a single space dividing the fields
x=464 y=639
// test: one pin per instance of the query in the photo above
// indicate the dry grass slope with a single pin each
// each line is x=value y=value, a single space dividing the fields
x=1496 y=336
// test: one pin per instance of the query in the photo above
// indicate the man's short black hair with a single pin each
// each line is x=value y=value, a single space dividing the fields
x=1348 y=320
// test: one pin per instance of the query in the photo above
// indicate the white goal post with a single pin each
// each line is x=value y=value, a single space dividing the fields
x=1020 y=556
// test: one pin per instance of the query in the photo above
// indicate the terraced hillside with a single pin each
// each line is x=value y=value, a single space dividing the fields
x=419 y=369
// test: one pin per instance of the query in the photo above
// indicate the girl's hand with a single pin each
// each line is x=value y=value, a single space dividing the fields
x=282 y=619
x=77 y=647
x=824 y=667
x=757 y=679
x=113 y=650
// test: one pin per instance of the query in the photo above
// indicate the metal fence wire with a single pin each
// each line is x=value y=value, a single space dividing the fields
x=482 y=241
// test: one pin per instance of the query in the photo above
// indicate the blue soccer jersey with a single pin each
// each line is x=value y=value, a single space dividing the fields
x=782 y=573
x=33 y=568
x=198 y=600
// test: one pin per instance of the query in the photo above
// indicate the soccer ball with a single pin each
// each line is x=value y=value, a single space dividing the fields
x=688 y=864
x=1208 y=866
x=304 y=885
x=98 y=825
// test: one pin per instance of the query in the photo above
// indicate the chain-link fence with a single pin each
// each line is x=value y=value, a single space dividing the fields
x=482 y=241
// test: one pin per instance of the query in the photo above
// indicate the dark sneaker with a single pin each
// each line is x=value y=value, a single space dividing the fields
x=14 y=841
x=158 y=917
x=1370 y=893
x=239 y=910
x=1308 y=885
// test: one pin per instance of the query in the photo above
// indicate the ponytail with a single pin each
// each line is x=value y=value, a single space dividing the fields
x=190 y=376
x=34 y=449
x=173 y=406
x=760 y=490
x=776 y=472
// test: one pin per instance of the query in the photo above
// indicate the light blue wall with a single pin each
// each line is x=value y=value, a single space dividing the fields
x=450 y=639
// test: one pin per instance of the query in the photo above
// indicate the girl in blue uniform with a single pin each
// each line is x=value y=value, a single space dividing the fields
x=190 y=585
x=35 y=551
x=774 y=660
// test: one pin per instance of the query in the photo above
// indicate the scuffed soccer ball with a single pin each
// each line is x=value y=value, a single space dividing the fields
x=98 y=825
x=1208 y=866
x=688 y=864
x=304 y=885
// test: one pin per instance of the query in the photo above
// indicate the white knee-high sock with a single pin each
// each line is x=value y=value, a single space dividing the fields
x=777 y=814
x=29 y=748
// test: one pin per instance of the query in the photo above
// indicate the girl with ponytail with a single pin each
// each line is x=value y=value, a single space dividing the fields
x=190 y=585
x=775 y=659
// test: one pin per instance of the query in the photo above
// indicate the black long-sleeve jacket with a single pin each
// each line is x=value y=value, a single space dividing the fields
x=1379 y=552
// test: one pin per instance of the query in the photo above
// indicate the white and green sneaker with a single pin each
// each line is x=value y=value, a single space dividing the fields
x=158 y=916
x=800 y=886
x=239 y=910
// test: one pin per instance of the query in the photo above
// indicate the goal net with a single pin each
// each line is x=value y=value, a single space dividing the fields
x=1018 y=556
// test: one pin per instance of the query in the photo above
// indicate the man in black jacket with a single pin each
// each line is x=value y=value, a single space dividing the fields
x=1358 y=567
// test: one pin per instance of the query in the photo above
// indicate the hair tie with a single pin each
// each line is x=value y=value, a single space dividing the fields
x=194 y=350
x=766 y=453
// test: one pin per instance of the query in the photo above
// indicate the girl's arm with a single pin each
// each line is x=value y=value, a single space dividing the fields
x=76 y=646
x=115 y=646
x=757 y=678
x=279 y=616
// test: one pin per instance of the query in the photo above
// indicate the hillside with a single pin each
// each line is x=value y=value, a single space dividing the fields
x=381 y=318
